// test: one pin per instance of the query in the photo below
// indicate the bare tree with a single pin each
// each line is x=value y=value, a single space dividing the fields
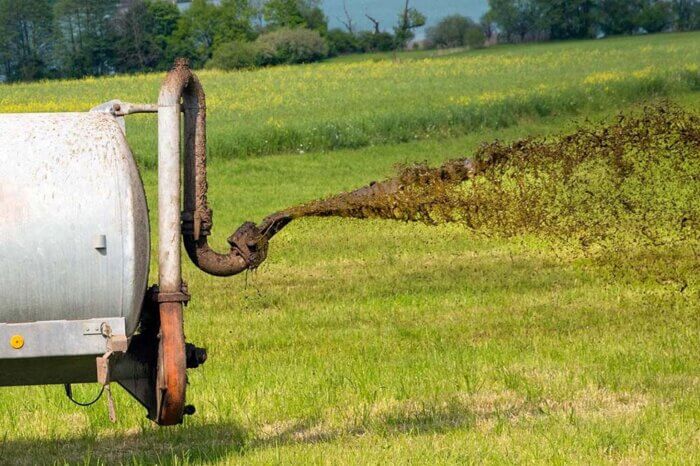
x=375 y=22
x=348 y=23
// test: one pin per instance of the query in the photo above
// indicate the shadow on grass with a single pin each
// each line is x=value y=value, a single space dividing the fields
x=196 y=444
x=215 y=443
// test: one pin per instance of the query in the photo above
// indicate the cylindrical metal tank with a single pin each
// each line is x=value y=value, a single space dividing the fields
x=74 y=222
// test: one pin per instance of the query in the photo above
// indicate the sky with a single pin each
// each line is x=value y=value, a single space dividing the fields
x=386 y=11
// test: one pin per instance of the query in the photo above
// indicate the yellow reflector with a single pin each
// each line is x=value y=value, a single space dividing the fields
x=17 y=341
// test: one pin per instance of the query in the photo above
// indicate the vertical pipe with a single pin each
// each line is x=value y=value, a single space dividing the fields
x=169 y=197
x=172 y=378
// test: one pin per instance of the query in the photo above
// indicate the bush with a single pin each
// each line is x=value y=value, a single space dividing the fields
x=376 y=42
x=291 y=46
x=235 y=55
x=283 y=46
x=474 y=38
x=456 y=31
x=342 y=42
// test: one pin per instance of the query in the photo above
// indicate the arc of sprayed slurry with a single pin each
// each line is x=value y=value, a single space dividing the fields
x=373 y=197
x=434 y=195
x=376 y=200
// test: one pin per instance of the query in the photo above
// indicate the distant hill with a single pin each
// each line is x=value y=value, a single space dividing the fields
x=386 y=11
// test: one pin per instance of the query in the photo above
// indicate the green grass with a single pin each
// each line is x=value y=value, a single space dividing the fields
x=375 y=342
x=328 y=106
x=402 y=55
x=380 y=342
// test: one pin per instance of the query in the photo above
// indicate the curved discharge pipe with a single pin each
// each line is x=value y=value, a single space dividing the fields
x=248 y=245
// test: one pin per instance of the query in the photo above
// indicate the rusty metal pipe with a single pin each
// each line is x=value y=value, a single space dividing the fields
x=181 y=83
x=169 y=261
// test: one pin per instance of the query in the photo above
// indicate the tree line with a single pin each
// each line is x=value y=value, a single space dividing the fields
x=43 y=39
x=527 y=20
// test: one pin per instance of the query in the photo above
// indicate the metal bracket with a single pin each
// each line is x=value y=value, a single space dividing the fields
x=58 y=338
x=182 y=296
x=104 y=379
x=196 y=224
x=119 y=110
x=117 y=345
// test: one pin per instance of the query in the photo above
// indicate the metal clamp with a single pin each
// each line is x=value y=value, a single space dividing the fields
x=181 y=296
x=195 y=224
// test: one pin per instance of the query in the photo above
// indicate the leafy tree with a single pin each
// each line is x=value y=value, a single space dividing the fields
x=567 y=19
x=283 y=13
x=504 y=14
x=474 y=38
x=205 y=24
x=518 y=20
x=316 y=19
x=165 y=16
x=84 y=42
x=194 y=34
x=456 y=31
x=619 y=16
x=295 y=13
x=488 y=25
x=141 y=31
x=409 y=19
x=686 y=14
x=655 y=16
x=235 y=22
x=25 y=39
x=134 y=47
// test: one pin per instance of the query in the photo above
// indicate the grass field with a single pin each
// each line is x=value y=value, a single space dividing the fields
x=356 y=104
x=375 y=342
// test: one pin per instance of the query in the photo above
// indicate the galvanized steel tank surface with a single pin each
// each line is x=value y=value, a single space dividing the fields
x=74 y=232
